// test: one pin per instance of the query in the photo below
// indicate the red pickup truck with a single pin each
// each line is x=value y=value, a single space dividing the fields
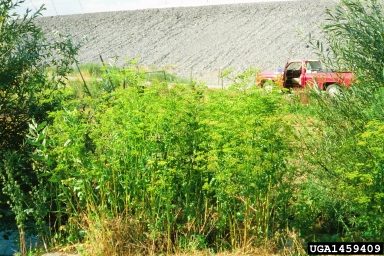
x=303 y=73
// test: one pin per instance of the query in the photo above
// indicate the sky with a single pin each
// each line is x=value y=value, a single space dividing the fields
x=65 y=7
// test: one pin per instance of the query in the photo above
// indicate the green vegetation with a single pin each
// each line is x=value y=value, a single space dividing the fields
x=130 y=162
x=27 y=93
x=354 y=35
x=185 y=167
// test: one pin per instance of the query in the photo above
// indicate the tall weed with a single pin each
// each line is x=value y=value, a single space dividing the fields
x=193 y=168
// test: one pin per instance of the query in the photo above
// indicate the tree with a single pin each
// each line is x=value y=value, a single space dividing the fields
x=25 y=55
x=349 y=160
x=355 y=35
x=32 y=70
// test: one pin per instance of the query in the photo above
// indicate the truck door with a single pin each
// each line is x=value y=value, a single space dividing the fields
x=292 y=74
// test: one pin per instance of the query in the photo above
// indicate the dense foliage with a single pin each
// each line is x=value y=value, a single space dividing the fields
x=354 y=36
x=25 y=55
x=27 y=92
x=141 y=164
x=181 y=166
x=346 y=152
x=343 y=155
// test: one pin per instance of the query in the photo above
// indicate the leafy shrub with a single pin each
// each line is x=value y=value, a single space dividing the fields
x=180 y=164
x=346 y=165
x=341 y=193
x=354 y=36
x=27 y=93
x=25 y=55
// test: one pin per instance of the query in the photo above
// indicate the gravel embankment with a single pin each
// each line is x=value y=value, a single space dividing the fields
x=200 y=40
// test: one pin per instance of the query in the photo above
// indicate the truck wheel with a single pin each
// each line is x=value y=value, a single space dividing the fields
x=333 y=90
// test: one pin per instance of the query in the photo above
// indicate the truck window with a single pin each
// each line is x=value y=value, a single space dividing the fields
x=294 y=66
x=313 y=66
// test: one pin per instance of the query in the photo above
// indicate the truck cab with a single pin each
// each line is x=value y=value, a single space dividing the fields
x=304 y=73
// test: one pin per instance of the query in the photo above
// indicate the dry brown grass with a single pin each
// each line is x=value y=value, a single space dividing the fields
x=290 y=242
x=255 y=252
x=124 y=236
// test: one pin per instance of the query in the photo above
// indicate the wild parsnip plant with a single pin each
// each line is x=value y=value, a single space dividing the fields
x=188 y=167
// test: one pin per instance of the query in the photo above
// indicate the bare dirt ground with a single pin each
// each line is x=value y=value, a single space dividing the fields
x=199 y=40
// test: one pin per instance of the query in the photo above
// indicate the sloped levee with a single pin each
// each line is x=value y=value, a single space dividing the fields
x=198 y=40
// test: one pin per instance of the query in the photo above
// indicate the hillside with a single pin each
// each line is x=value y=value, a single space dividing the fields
x=198 y=40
